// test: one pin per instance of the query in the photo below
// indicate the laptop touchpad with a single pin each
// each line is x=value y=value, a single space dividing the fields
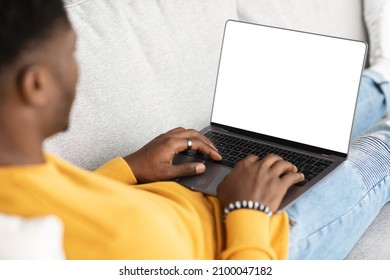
x=206 y=182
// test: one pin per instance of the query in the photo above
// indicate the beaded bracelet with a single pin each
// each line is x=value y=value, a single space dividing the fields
x=246 y=204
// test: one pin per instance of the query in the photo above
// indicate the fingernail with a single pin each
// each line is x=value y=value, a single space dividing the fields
x=200 y=168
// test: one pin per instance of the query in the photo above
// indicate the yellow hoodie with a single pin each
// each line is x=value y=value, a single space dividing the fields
x=107 y=215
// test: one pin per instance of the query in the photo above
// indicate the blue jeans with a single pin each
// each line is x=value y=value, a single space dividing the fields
x=328 y=221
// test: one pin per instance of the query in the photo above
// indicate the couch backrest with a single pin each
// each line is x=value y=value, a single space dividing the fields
x=147 y=66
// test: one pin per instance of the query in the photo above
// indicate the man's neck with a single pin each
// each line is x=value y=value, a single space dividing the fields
x=13 y=154
x=20 y=145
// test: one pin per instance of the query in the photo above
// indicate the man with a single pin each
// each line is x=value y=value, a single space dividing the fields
x=106 y=218
x=127 y=209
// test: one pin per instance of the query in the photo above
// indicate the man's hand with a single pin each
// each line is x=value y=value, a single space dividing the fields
x=265 y=181
x=153 y=162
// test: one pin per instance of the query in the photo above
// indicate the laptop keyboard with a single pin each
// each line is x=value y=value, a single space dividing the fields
x=233 y=149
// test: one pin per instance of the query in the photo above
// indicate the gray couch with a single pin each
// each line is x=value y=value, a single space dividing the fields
x=148 y=66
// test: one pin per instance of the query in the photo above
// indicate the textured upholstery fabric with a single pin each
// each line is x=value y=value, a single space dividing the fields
x=32 y=238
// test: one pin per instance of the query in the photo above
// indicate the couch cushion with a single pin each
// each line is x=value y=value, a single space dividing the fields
x=375 y=242
x=30 y=238
x=331 y=17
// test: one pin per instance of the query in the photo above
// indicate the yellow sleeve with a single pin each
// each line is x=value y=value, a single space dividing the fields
x=118 y=170
x=252 y=234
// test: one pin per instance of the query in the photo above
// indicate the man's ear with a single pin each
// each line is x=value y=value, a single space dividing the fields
x=33 y=85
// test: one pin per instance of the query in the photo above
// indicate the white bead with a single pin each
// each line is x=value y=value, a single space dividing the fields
x=262 y=207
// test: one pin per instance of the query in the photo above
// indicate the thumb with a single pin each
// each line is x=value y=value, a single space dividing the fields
x=187 y=169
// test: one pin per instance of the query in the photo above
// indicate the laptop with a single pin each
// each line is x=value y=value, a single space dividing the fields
x=285 y=92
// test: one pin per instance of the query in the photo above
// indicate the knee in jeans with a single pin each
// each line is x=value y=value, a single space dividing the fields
x=370 y=155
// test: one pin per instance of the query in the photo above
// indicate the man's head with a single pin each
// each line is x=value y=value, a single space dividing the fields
x=38 y=70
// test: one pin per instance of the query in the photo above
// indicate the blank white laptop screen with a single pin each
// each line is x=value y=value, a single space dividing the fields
x=292 y=85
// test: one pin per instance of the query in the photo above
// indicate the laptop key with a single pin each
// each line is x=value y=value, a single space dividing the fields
x=234 y=153
x=238 y=149
x=321 y=165
x=232 y=159
x=247 y=151
x=241 y=155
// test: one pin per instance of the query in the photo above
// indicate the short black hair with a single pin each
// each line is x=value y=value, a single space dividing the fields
x=25 y=24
